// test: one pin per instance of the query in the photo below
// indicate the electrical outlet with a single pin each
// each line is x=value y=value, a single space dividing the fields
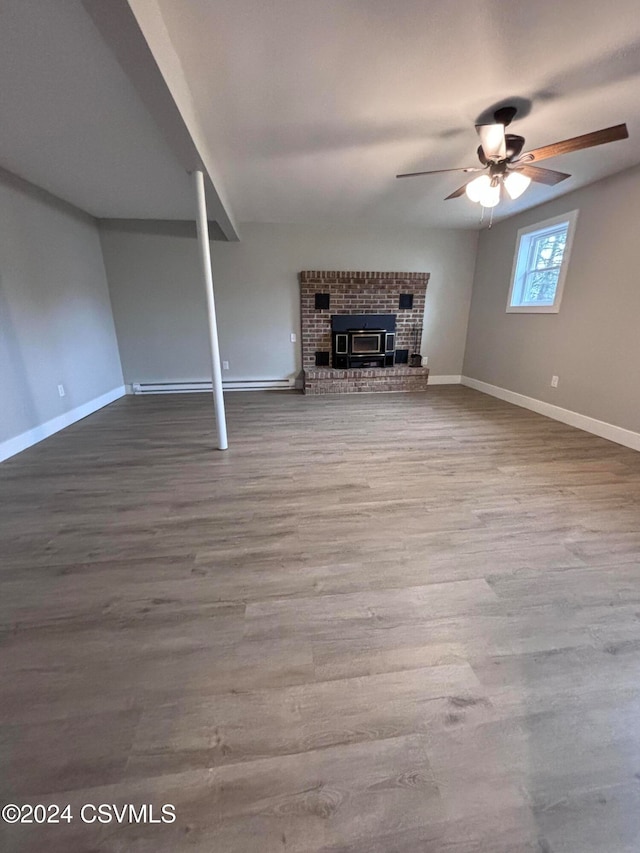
x=425 y=360
x=294 y=337
x=554 y=381
x=225 y=365
x=61 y=390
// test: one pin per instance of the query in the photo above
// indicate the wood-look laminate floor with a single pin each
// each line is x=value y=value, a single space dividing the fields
x=377 y=624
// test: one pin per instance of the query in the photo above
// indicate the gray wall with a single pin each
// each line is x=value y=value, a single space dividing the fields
x=593 y=344
x=159 y=306
x=56 y=324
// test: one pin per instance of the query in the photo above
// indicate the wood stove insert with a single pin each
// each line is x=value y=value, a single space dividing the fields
x=363 y=340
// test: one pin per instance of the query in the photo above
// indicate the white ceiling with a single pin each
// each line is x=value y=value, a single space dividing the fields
x=73 y=123
x=311 y=107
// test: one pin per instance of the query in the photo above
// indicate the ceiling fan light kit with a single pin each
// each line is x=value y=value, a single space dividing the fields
x=503 y=164
x=490 y=196
x=515 y=183
x=477 y=187
x=486 y=191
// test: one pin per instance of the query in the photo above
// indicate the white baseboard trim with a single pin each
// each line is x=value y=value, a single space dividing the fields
x=33 y=436
x=444 y=380
x=197 y=386
x=619 y=435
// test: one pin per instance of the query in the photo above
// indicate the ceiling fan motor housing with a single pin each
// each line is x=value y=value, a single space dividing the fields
x=499 y=168
x=514 y=143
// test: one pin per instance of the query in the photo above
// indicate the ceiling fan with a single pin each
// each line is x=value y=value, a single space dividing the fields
x=503 y=164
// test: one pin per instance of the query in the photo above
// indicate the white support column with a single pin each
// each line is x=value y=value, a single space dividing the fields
x=205 y=258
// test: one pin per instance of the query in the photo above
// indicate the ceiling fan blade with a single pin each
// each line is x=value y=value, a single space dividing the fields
x=457 y=193
x=576 y=143
x=542 y=176
x=492 y=141
x=440 y=171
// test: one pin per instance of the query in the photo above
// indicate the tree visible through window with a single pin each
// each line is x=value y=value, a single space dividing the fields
x=541 y=278
x=540 y=265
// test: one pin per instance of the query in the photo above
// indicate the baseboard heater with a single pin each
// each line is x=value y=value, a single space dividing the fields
x=198 y=387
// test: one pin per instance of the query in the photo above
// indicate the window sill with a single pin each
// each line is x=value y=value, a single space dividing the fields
x=533 y=309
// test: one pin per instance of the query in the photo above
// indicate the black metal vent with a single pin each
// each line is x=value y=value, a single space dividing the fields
x=406 y=300
x=322 y=301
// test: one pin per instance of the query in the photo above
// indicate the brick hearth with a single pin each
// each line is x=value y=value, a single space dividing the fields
x=326 y=380
x=356 y=292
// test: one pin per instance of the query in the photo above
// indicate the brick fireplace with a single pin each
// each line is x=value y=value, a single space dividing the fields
x=326 y=294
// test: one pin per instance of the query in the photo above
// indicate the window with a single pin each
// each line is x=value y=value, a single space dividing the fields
x=540 y=265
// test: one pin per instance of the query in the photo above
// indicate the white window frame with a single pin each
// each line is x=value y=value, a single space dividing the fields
x=519 y=269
